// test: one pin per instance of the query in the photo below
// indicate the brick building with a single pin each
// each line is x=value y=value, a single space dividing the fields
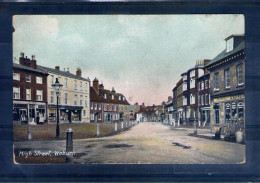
x=227 y=85
x=105 y=104
x=29 y=92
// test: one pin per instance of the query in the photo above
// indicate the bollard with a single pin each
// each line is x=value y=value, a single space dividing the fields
x=122 y=125
x=97 y=129
x=29 y=133
x=69 y=140
x=115 y=126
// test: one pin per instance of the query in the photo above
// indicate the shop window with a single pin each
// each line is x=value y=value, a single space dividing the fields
x=240 y=109
x=28 y=94
x=99 y=116
x=16 y=92
x=227 y=112
x=216 y=81
x=227 y=78
x=240 y=80
x=39 y=95
x=38 y=80
x=233 y=110
x=28 y=78
x=16 y=76
x=66 y=98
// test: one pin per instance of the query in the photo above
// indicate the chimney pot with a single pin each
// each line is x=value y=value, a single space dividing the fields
x=78 y=72
x=57 y=68
x=33 y=57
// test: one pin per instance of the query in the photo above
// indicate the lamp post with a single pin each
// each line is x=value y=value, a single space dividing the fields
x=57 y=87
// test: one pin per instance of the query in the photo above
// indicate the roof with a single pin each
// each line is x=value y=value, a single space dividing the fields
x=19 y=66
x=94 y=96
x=207 y=74
x=62 y=73
x=224 y=54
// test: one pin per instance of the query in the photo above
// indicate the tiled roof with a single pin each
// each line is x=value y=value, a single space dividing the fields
x=62 y=73
x=19 y=66
x=100 y=98
x=224 y=54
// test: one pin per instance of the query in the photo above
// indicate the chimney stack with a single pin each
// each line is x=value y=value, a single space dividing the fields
x=78 y=72
x=113 y=90
x=22 y=55
x=68 y=69
x=57 y=68
x=96 y=85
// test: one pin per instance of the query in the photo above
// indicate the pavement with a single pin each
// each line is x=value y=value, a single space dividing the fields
x=146 y=143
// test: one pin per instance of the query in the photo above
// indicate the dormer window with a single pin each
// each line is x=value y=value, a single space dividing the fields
x=123 y=98
x=230 y=44
x=119 y=97
x=112 y=97
x=105 y=95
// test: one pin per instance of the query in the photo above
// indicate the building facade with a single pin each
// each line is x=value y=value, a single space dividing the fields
x=227 y=85
x=107 y=106
x=29 y=92
x=73 y=99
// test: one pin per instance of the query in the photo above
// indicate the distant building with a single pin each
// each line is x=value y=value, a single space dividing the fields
x=178 y=103
x=227 y=84
x=107 y=106
x=29 y=92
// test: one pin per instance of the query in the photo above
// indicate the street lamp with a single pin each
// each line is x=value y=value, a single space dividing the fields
x=57 y=87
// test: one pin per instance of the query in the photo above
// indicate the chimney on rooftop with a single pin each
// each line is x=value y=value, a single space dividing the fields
x=57 y=68
x=113 y=90
x=96 y=85
x=33 y=62
x=22 y=55
x=68 y=69
x=78 y=72
x=26 y=61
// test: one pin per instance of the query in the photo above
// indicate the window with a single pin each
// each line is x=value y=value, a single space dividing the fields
x=105 y=95
x=192 y=83
x=184 y=99
x=240 y=109
x=91 y=105
x=39 y=95
x=184 y=86
x=86 y=101
x=206 y=99
x=16 y=92
x=105 y=107
x=92 y=117
x=59 y=79
x=184 y=77
x=206 y=84
x=192 y=73
x=95 y=106
x=227 y=78
x=114 y=107
x=85 y=87
x=230 y=44
x=216 y=81
x=81 y=100
x=28 y=94
x=240 y=80
x=84 y=113
x=66 y=83
x=51 y=79
x=192 y=99
x=202 y=85
x=75 y=84
x=119 y=97
x=199 y=99
x=99 y=106
x=80 y=86
x=66 y=98
x=99 y=116
x=227 y=112
x=38 y=80
x=112 y=97
x=16 y=76
x=75 y=99
x=217 y=116
x=52 y=97
x=202 y=99
x=123 y=98
x=28 y=78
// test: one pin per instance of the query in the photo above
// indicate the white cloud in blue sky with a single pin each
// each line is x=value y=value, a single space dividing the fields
x=142 y=56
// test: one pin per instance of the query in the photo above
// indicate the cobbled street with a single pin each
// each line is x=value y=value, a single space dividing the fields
x=149 y=143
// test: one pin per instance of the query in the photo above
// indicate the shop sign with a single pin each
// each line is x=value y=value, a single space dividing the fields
x=20 y=105
x=41 y=106
x=236 y=97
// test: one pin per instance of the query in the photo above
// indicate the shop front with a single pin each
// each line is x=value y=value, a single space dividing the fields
x=229 y=112
x=204 y=116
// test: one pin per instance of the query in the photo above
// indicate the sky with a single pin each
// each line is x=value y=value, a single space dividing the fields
x=141 y=56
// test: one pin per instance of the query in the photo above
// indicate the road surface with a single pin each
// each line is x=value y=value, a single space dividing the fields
x=151 y=143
